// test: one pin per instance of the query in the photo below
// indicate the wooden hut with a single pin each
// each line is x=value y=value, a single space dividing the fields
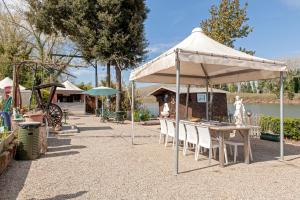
x=197 y=102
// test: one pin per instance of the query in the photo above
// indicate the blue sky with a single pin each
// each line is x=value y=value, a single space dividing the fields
x=276 y=28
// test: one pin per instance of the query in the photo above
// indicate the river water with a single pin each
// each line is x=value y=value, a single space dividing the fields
x=265 y=109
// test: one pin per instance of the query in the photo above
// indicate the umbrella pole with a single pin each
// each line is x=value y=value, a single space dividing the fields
x=102 y=107
x=177 y=111
x=281 y=118
x=132 y=112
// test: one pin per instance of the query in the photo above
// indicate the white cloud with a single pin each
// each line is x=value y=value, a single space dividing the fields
x=159 y=47
x=293 y=4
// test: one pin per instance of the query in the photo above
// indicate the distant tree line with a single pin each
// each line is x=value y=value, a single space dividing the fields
x=226 y=24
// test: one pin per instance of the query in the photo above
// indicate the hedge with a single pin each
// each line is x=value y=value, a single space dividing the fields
x=142 y=115
x=272 y=124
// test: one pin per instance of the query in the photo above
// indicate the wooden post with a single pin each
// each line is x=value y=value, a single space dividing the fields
x=186 y=115
x=15 y=95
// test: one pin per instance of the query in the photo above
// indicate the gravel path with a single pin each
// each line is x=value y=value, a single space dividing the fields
x=100 y=163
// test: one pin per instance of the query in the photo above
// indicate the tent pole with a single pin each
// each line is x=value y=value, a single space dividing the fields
x=132 y=112
x=281 y=118
x=206 y=75
x=187 y=102
x=207 y=115
x=177 y=110
x=211 y=102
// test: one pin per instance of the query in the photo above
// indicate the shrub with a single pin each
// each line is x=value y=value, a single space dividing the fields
x=291 y=126
x=142 y=115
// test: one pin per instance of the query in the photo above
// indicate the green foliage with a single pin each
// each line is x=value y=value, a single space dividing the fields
x=227 y=22
x=246 y=87
x=232 y=87
x=142 y=115
x=272 y=124
x=85 y=86
x=111 y=31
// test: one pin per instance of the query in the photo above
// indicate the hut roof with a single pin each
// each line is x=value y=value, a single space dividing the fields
x=183 y=90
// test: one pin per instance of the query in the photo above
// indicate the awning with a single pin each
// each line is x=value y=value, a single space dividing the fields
x=203 y=58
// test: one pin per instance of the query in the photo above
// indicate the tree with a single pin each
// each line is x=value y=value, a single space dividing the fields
x=20 y=41
x=227 y=23
x=85 y=86
x=122 y=41
x=109 y=30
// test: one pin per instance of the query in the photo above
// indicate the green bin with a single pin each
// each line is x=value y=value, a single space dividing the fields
x=28 y=136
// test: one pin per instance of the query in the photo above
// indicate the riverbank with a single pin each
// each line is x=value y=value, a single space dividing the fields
x=251 y=98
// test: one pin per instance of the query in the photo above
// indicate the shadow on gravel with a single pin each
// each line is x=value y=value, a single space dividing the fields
x=87 y=128
x=266 y=150
x=65 y=148
x=65 y=196
x=197 y=169
x=64 y=153
x=55 y=142
x=13 y=179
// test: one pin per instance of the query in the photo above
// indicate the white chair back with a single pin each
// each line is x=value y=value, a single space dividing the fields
x=191 y=133
x=163 y=126
x=171 y=128
x=182 y=131
x=204 y=137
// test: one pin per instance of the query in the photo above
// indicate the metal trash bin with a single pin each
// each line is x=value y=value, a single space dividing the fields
x=28 y=136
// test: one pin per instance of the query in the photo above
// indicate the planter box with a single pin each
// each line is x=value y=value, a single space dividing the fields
x=7 y=151
x=6 y=142
x=270 y=137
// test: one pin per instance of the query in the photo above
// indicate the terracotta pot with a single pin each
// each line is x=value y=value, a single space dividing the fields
x=34 y=117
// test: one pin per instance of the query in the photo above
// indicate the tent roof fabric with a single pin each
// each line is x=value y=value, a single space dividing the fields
x=183 y=90
x=9 y=82
x=200 y=58
x=69 y=87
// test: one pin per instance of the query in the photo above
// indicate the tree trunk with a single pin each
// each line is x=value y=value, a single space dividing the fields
x=108 y=83
x=119 y=88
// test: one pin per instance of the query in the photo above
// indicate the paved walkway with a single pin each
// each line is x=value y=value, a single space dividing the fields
x=100 y=163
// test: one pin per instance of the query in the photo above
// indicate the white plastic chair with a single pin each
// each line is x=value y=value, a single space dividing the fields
x=163 y=129
x=182 y=135
x=192 y=138
x=206 y=141
x=236 y=144
x=171 y=132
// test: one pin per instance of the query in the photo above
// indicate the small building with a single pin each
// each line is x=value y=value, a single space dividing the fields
x=70 y=98
x=197 y=102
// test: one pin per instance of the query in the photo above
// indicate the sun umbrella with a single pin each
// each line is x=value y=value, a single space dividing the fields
x=101 y=91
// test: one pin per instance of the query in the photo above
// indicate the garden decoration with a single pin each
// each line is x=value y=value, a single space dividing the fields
x=53 y=112
x=165 y=112
x=239 y=111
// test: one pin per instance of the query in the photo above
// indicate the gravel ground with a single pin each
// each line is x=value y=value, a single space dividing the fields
x=100 y=163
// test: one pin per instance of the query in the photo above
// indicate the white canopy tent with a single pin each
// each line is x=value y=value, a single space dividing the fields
x=69 y=87
x=9 y=82
x=199 y=60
